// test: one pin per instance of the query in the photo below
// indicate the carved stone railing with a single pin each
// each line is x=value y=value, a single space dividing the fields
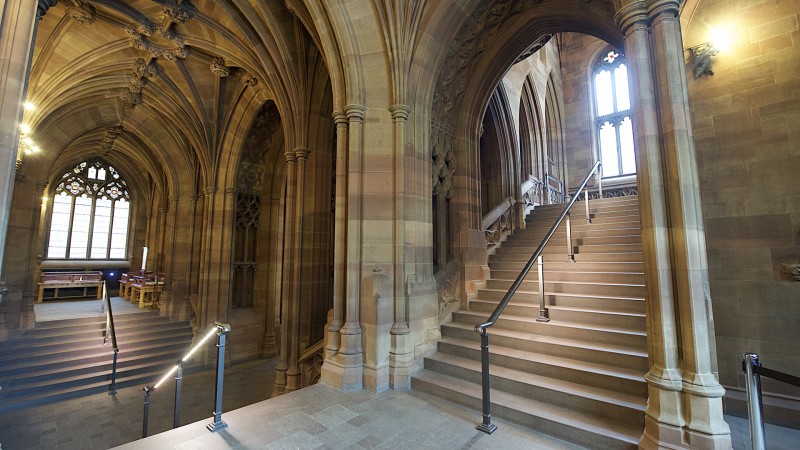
x=310 y=363
x=499 y=221
x=533 y=192
x=555 y=190
x=615 y=192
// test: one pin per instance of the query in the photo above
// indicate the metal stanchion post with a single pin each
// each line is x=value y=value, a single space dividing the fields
x=754 y=409
x=112 y=389
x=218 y=424
x=570 y=250
x=588 y=217
x=147 y=391
x=176 y=419
x=486 y=426
x=544 y=314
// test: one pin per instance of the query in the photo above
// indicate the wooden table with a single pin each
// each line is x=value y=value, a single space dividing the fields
x=56 y=285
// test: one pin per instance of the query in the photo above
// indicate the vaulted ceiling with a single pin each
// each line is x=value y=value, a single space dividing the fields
x=161 y=84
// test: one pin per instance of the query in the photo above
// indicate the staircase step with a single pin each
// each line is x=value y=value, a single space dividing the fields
x=566 y=314
x=579 y=230
x=618 y=336
x=590 y=374
x=574 y=287
x=574 y=275
x=586 y=429
x=562 y=257
x=629 y=217
x=579 y=249
x=566 y=265
x=608 y=303
x=532 y=243
x=586 y=351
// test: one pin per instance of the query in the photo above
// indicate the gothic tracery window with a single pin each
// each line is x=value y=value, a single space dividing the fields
x=89 y=220
x=613 y=116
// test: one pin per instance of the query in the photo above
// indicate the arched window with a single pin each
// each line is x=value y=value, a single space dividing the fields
x=91 y=206
x=613 y=114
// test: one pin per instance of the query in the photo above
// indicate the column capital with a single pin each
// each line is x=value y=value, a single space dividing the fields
x=632 y=16
x=400 y=112
x=663 y=8
x=230 y=190
x=290 y=156
x=210 y=190
x=355 y=112
x=302 y=153
x=339 y=118
x=173 y=198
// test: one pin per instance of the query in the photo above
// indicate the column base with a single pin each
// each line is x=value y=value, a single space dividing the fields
x=401 y=362
x=376 y=379
x=270 y=347
x=293 y=379
x=346 y=377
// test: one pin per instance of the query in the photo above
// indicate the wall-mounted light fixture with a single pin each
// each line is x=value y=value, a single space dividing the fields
x=719 y=40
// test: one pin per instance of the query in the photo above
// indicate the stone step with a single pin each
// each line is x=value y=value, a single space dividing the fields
x=617 y=336
x=609 y=303
x=66 y=336
x=631 y=217
x=579 y=211
x=560 y=266
x=592 y=248
x=578 y=230
x=562 y=257
x=566 y=314
x=577 y=371
x=577 y=276
x=561 y=240
x=589 y=352
x=572 y=287
x=586 y=429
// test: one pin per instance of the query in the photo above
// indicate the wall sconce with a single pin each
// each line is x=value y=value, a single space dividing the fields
x=701 y=58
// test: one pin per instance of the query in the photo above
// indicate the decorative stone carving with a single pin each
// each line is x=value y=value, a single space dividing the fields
x=447 y=287
x=141 y=72
x=219 y=69
x=82 y=12
x=130 y=99
x=443 y=139
x=791 y=271
x=250 y=80
x=615 y=192
x=157 y=41
x=257 y=144
x=179 y=11
x=534 y=194
x=110 y=134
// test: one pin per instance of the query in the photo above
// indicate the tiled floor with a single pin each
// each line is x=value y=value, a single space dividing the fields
x=317 y=417
x=76 y=309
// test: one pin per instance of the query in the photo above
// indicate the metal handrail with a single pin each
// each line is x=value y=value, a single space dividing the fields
x=221 y=330
x=110 y=331
x=753 y=370
x=487 y=426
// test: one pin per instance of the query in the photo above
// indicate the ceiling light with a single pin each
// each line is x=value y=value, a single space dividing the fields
x=29 y=106
x=24 y=128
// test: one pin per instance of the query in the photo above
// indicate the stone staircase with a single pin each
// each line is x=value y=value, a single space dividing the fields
x=64 y=359
x=579 y=377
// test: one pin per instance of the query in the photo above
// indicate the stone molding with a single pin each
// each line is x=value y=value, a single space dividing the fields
x=355 y=113
x=179 y=11
x=140 y=34
x=631 y=17
x=400 y=112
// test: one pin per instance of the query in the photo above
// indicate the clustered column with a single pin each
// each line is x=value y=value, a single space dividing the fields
x=401 y=357
x=281 y=375
x=684 y=397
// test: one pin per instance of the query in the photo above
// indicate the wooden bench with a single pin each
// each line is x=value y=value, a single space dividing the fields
x=59 y=282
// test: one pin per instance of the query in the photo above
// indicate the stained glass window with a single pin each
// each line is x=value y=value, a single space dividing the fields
x=90 y=214
x=613 y=115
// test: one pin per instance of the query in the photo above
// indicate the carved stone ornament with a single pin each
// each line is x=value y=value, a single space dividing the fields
x=250 y=80
x=130 y=99
x=179 y=11
x=791 y=271
x=219 y=69
x=110 y=135
x=82 y=12
x=443 y=139
x=158 y=42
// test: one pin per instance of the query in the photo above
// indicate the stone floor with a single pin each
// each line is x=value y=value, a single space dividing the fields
x=317 y=417
x=77 y=309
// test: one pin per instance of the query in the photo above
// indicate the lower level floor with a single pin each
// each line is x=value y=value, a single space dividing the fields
x=315 y=417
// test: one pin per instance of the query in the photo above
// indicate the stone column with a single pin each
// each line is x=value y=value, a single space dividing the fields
x=275 y=274
x=340 y=238
x=701 y=389
x=191 y=288
x=169 y=249
x=346 y=370
x=401 y=356
x=293 y=373
x=663 y=420
x=17 y=34
x=288 y=282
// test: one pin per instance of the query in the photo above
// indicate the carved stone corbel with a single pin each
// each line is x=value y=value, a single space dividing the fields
x=82 y=12
x=219 y=69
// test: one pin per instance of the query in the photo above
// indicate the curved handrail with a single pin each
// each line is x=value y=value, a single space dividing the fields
x=481 y=328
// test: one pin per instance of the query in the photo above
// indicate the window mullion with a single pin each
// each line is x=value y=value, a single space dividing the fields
x=69 y=229
x=110 y=229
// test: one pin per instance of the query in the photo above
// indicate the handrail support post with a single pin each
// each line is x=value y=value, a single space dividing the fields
x=222 y=333
x=147 y=391
x=112 y=388
x=176 y=418
x=586 y=194
x=754 y=407
x=570 y=248
x=486 y=426
x=544 y=313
